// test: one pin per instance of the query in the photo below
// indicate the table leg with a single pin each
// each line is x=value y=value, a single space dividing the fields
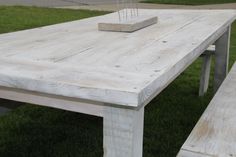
x=123 y=132
x=221 y=58
x=205 y=74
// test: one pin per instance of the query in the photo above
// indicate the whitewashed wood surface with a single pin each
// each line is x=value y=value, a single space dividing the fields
x=214 y=134
x=76 y=60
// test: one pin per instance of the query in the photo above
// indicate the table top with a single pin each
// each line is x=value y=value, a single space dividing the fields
x=76 y=60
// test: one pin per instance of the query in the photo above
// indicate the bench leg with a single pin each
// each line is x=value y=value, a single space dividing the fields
x=205 y=74
x=123 y=132
x=221 y=59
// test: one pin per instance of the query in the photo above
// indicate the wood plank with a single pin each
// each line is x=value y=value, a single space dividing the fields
x=205 y=74
x=206 y=69
x=129 y=26
x=210 y=51
x=54 y=101
x=71 y=81
x=211 y=48
x=123 y=132
x=215 y=132
x=75 y=59
x=221 y=58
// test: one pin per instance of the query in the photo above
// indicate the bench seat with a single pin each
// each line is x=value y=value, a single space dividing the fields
x=215 y=133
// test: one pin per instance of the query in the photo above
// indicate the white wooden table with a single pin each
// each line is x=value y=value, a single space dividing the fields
x=75 y=67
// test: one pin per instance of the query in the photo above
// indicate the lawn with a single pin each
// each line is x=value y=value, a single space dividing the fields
x=33 y=131
x=190 y=2
x=19 y=18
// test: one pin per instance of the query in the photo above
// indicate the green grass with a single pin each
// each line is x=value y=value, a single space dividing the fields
x=190 y=2
x=32 y=131
x=19 y=18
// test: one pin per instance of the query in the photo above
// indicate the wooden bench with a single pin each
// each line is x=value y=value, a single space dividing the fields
x=215 y=133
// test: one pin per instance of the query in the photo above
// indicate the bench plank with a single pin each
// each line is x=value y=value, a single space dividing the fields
x=215 y=132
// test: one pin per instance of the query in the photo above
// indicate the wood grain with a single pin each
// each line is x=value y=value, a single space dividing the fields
x=76 y=60
x=123 y=132
x=206 y=69
x=205 y=74
x=221 y=58
x=214 y=134
x=54 y=101
x=128 y=25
